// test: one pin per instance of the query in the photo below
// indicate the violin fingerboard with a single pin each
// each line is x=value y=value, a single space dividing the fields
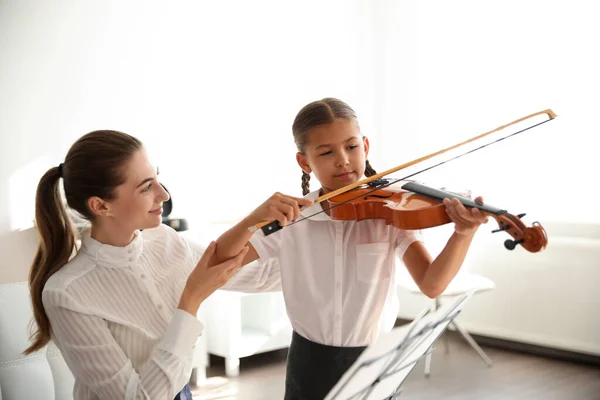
x=442 y=194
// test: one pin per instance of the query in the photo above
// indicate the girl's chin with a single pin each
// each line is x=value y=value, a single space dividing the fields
x=340 y=183
x=331 y=188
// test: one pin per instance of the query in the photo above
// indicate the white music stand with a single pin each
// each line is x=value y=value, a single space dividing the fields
x=381 y=369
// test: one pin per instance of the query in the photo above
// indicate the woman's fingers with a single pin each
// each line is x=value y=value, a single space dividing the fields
x=207 y=255
x=234 y=263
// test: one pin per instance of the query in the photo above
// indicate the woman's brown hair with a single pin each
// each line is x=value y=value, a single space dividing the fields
x=320 y=112
x=93 y=167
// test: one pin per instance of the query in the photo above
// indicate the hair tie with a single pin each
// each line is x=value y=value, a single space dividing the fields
x=60 y=170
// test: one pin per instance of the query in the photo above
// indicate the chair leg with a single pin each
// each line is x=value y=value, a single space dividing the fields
x=473 y=344
x=446 y=343
x=428 y=362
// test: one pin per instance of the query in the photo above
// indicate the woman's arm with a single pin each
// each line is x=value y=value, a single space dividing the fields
x=433 y=277
x=98 y=362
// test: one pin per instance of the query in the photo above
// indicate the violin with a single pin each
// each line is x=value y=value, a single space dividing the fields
x=411 y=205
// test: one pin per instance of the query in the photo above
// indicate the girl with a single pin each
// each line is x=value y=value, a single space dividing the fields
x=338 y=276
x=123 y=309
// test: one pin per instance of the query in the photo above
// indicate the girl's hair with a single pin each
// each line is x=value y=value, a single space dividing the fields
x=93 y=167
x=320 y=112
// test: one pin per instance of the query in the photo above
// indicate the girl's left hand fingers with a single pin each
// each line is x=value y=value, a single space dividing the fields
x=461 y=210
x=459 y=213
x=478 y=216
x=453 y=212
x=463 y=216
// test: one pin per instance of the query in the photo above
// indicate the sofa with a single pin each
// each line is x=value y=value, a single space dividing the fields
x=43 y=375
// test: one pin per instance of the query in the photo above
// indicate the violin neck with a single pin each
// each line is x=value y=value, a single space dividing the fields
x=442 y=194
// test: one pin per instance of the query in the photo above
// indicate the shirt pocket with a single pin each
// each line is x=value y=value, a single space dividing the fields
x=370 y=262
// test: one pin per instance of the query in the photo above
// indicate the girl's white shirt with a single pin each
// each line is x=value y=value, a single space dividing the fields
x=338 y=277
x=114 y=317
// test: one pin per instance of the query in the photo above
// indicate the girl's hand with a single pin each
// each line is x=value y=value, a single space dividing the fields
x=280 y=207
x=466 y=222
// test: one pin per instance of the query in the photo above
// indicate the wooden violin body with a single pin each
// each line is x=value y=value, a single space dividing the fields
x=410 y=205
x=402 y=208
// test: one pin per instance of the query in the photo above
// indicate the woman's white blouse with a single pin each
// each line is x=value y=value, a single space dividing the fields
x=114 y=317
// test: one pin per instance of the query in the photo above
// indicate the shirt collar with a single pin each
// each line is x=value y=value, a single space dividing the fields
x=112 y=256
x=314 y=209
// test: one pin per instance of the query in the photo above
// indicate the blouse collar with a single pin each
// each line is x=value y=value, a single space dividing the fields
x=112 y=256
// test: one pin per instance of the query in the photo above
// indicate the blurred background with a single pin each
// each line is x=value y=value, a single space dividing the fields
x=212 y=88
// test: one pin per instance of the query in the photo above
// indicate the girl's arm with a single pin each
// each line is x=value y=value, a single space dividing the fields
x=236 y=238
x=433 y=277
x=254 y=278
x=278 y=207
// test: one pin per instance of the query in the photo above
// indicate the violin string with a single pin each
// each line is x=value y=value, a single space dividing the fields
x=418 y=172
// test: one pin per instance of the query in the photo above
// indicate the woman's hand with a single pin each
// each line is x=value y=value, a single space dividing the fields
x=280 y=207
x=206 y=278
x=466 y=222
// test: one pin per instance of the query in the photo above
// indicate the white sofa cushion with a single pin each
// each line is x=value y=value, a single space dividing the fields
x=43 y=375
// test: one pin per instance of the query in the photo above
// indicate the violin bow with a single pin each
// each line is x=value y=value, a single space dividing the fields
x=551 y=115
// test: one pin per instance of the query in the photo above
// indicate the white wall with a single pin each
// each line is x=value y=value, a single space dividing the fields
x=476 y=66
x=547 y=299
x=206 y=85
x=453 y=70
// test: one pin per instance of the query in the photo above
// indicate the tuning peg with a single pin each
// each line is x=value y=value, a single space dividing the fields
x=521 y=215
x=502 y=228
x=511 y=244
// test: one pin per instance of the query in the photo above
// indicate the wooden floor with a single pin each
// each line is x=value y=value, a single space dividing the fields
x=459 y=374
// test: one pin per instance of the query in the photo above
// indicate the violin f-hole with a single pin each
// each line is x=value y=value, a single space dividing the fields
x=377 y=196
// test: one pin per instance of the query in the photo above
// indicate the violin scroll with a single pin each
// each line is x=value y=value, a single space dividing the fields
x=532 y=239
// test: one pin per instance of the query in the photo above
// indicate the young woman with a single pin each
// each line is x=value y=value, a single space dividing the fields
x=122 y=309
